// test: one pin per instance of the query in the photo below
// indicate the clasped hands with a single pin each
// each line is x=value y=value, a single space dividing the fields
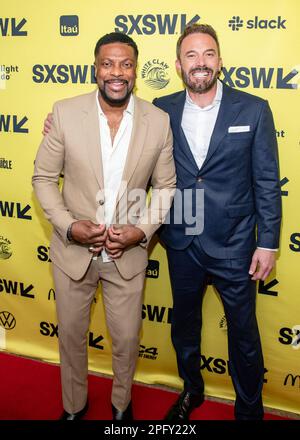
x=113 y=239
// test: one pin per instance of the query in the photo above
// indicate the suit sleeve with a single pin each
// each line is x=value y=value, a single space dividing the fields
x=266 y=182
x=49 y=163
x=163 y=181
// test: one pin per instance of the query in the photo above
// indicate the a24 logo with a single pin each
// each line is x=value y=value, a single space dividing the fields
x=148 y=352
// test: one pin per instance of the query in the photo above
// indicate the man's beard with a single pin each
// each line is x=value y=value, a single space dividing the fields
x=201 y=86
x=118 y=102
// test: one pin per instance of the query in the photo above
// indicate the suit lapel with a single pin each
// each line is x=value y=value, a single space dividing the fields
x=176 y=118
x=92 y=138
x=136 y=144
x=229 y=109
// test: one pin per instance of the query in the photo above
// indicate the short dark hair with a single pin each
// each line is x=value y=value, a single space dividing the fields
x=116 y=37
x=196 y=28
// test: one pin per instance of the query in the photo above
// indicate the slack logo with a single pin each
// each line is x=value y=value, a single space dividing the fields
x=236 y=22
x=69 y=25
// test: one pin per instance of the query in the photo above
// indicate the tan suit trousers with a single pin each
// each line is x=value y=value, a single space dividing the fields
x=123 y=310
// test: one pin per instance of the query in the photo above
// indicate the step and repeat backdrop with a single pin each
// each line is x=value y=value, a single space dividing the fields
x=46 y=54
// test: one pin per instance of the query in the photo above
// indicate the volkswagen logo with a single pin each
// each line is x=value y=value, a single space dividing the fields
x=7 y=320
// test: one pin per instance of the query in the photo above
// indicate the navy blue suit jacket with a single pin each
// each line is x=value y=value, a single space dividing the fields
x=240 y=177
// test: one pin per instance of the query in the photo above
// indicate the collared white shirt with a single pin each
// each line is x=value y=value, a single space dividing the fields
x=113 y=159
x=198 y=124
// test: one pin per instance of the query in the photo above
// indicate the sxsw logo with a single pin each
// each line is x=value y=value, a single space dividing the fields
x=283 y=182
x=16 y=288
x=295 y=242
x=13 y=123
x=12 y=27
x=157 y=313
x=260 y=77
x=51 y=330
x=69 y=25
x=267 y=288
x=43 y=253
x=236 y=22
x=14 y=209
x=290 y=336
x=150 y=24
x=219 y=366
x=214 y=365
x=63 y=73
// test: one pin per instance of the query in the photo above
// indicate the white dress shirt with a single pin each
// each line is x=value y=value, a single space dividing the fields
x=113 y=159
x=198 y=124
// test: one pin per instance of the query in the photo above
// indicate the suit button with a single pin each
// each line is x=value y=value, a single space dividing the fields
x=101 y=202
x=199 y=179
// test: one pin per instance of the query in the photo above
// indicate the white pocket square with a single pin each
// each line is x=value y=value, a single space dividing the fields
x=239 y=129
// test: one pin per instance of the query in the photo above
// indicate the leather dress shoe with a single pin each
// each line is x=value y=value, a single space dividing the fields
x=183 y=407
x=75 y=416
x=122 y=415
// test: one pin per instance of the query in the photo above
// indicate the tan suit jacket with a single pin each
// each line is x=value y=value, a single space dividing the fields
x=73 y=147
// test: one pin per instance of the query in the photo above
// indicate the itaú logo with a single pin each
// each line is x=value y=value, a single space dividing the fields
x=69 y=25
x=7 y=320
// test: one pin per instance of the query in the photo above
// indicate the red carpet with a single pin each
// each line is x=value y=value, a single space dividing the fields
x=30 y=390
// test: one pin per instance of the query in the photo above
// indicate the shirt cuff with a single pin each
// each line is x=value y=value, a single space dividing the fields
x=267 y=249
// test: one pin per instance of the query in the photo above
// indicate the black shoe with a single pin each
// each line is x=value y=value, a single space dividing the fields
x=122 y=415
x=76 y=416
x=183 y=407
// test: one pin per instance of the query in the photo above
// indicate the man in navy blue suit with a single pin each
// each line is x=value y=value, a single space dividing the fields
x=225 y=147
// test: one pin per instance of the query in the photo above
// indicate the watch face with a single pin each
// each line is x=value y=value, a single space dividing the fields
x=69 y=232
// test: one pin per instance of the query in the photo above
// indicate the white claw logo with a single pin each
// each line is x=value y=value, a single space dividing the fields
x=296 y=338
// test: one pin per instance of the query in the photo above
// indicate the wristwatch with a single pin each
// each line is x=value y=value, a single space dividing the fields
x=69 y=232
x=143 y=240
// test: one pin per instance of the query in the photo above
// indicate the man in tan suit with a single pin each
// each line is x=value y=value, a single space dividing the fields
x=109 y=145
